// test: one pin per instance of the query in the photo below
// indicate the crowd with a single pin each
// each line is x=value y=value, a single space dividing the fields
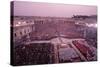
x=36 y=53
x=85 y=50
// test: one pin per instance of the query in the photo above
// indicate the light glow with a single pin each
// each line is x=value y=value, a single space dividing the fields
x=92 y=25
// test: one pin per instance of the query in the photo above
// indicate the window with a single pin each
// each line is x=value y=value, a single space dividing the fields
x=15 y=35
x=20 y=33
x=25 y=31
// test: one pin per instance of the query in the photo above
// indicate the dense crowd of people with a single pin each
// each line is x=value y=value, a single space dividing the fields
x=36 y=53
x=85 y=50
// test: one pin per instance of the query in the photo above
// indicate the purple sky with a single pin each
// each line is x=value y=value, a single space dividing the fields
x=22 y=8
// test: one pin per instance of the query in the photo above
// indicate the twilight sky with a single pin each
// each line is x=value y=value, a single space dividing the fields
x=22 y=8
